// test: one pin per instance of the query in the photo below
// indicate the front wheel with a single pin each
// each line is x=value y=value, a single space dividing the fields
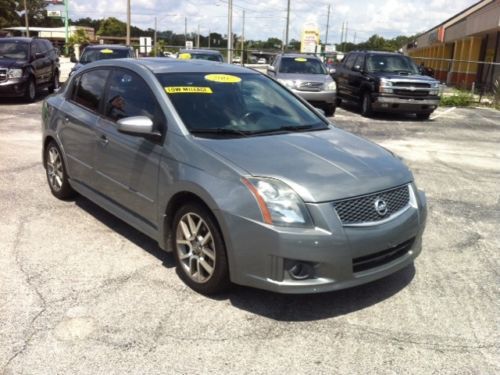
x=199 y=250
x=55 y=83
x=30 y=93
x=423 y=116
x=366 y=105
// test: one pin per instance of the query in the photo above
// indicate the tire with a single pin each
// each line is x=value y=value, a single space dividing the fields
x=199 y=249
x=57 y=176
x=30 y=92
x=366 y=105
x=330 y=110
x=423 y=116
x=55 y=83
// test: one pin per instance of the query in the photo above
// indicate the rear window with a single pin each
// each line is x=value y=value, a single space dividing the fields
x=94 y=54
x=301 y=65
x=239 y=102
x=90 y=89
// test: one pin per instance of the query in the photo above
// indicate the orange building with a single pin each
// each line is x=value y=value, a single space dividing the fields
x=461 y=50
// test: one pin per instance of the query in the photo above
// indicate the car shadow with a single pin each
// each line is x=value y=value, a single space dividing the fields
x=385 y=116
x=126 y=230
x=40 y=96
x=280 y=307
x=310 y=307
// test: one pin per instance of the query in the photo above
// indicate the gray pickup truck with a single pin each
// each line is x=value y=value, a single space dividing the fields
x=386 y=82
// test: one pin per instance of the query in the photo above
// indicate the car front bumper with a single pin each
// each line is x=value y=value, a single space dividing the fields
x=328 y=97
x=13 y=87
x=399 y=104
x=264 y=256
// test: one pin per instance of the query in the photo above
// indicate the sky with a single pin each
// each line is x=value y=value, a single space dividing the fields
x=267 y=18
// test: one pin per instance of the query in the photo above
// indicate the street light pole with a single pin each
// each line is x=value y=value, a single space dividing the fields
x=327 y=25
x=26 y=19
x=287 y=24
x=66 y=32
x=155 y=46
x=128 y=22
x=243 y=40
x=229 y=31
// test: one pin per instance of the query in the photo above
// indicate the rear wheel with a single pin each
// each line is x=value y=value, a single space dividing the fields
x=30 y=91
x=199 y=250
x=366 y=105
x=56 y=173
x=423 y=116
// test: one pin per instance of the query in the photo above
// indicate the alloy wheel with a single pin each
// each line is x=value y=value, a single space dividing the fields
x=55 y=172
x=195 y=248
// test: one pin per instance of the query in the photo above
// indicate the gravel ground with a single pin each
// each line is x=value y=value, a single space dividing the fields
x=82 y=292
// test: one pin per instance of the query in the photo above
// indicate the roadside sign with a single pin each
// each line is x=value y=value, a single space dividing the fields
x=54 y=13
x=189 y=44
x=145 y=44
x=309 y=40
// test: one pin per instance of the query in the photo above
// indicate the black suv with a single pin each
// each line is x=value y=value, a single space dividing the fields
x=27 y=65
x=384 y=81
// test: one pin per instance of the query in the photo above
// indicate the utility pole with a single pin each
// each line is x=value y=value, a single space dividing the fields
x=229 y=31
x=26 y=19
x=66 y=32
x=242 y=39
x=155 y=47
x=128 y=22
x=354 y=41
x=342 y=34
x=327 y=25
x=346 y=31
x=185 y=30
x=287 y=24
x=198 y=37
x=209 y=37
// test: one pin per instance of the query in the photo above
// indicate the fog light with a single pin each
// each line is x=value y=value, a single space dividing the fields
x=299 y=270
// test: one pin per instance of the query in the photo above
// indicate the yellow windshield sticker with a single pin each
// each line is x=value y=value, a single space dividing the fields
x=300 y=59
x=222 y=78
x=185 y=56
x=107 y=50
x=188 y=90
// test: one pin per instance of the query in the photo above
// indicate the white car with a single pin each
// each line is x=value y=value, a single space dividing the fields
x=262 y=61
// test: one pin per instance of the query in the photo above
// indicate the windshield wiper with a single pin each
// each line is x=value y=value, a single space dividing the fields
x=220 y=131
x=286 y=128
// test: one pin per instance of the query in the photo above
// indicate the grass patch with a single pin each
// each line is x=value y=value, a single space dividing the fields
x=458 y=98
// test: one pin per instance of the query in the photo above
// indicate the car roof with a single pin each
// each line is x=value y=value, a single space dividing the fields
x=165 y=65
x=195 y=51
x=18 y=39
x=109 y=46
x=295 y=55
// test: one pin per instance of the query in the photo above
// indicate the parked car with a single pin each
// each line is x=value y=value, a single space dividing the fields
x=386 y=82
x=200 y=54
x=307 y=77
x=228 y=169
x=262 y=60
x=26 y=66
x=102 y=52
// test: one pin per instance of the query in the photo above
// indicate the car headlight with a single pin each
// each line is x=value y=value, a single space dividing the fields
x=278 y=203
x=385 y=86
x=286 y=82
x=331 y=86
x=14 y=73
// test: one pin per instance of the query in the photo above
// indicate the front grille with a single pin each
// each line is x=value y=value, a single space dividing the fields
x=411 y=93
x=310 y=86
x=382 y=257
x=3 y=75
x=410 y=84
x=361 y=209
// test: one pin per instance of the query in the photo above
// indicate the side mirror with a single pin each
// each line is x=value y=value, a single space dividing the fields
x=138 y=126
x=271 y=69
x=332 y=70
x=73 y=59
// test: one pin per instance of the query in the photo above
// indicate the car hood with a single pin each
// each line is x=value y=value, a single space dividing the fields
x=320 y=166
x=304 y=77
x=9 y=63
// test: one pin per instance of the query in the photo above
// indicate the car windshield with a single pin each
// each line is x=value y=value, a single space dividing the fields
x=94 y=54
x=302 y=65
x=390 y=64
x=236 y=105
x=13 y=50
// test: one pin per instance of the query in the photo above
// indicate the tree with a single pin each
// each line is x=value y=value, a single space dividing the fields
x=112 y=27
x=78 y=37
x=8 y=15
x=36 y=11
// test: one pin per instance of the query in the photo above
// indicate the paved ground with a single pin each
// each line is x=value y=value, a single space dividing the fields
x=81 y=292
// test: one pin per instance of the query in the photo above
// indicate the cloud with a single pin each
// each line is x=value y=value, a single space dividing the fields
x=387 y=18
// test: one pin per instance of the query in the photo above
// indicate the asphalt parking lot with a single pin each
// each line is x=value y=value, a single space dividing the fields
x=82 y=292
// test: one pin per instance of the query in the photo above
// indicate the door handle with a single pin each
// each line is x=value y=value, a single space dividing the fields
x=66 y=120
x=104 y=140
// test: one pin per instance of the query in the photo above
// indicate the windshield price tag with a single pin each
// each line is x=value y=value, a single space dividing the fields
x=107 y=50
x=300 y=59
x=188 y=90
x=222 y=78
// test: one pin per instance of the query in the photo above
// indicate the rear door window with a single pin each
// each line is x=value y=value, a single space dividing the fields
x=89 y=89
x=349 y=63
